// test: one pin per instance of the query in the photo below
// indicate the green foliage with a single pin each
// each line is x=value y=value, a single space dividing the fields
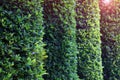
x=88 y=40
x=21 y=34
x=60 y=38
x=110 y=18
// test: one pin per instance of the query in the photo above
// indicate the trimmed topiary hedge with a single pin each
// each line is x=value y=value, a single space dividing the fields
x=60 y=37
x=21 y=34
x=110 y=18
x=88 y=40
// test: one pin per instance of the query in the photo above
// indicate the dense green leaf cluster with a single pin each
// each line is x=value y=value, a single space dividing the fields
x=21 y=34
x=72 y=54
x=60 y=38
x=88 y=40
x=110 y=28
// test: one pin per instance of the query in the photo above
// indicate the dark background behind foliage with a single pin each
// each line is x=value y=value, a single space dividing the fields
x=110 y=29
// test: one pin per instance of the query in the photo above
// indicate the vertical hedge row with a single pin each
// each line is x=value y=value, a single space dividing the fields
x=110 y=21
x=60 y=38
x=88 y=40
x=21 y=34
x=115 y=62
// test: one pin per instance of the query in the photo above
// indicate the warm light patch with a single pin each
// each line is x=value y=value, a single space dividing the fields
x=106 y=1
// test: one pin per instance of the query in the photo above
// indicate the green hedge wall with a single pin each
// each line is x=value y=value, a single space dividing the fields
x=88 y=40
x=21 y=34
x=60 y=37
x=110 y=21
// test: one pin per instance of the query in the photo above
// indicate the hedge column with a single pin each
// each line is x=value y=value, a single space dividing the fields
x=88 y=40
x=60 y=38
x=110 y=28
x=21 y=34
